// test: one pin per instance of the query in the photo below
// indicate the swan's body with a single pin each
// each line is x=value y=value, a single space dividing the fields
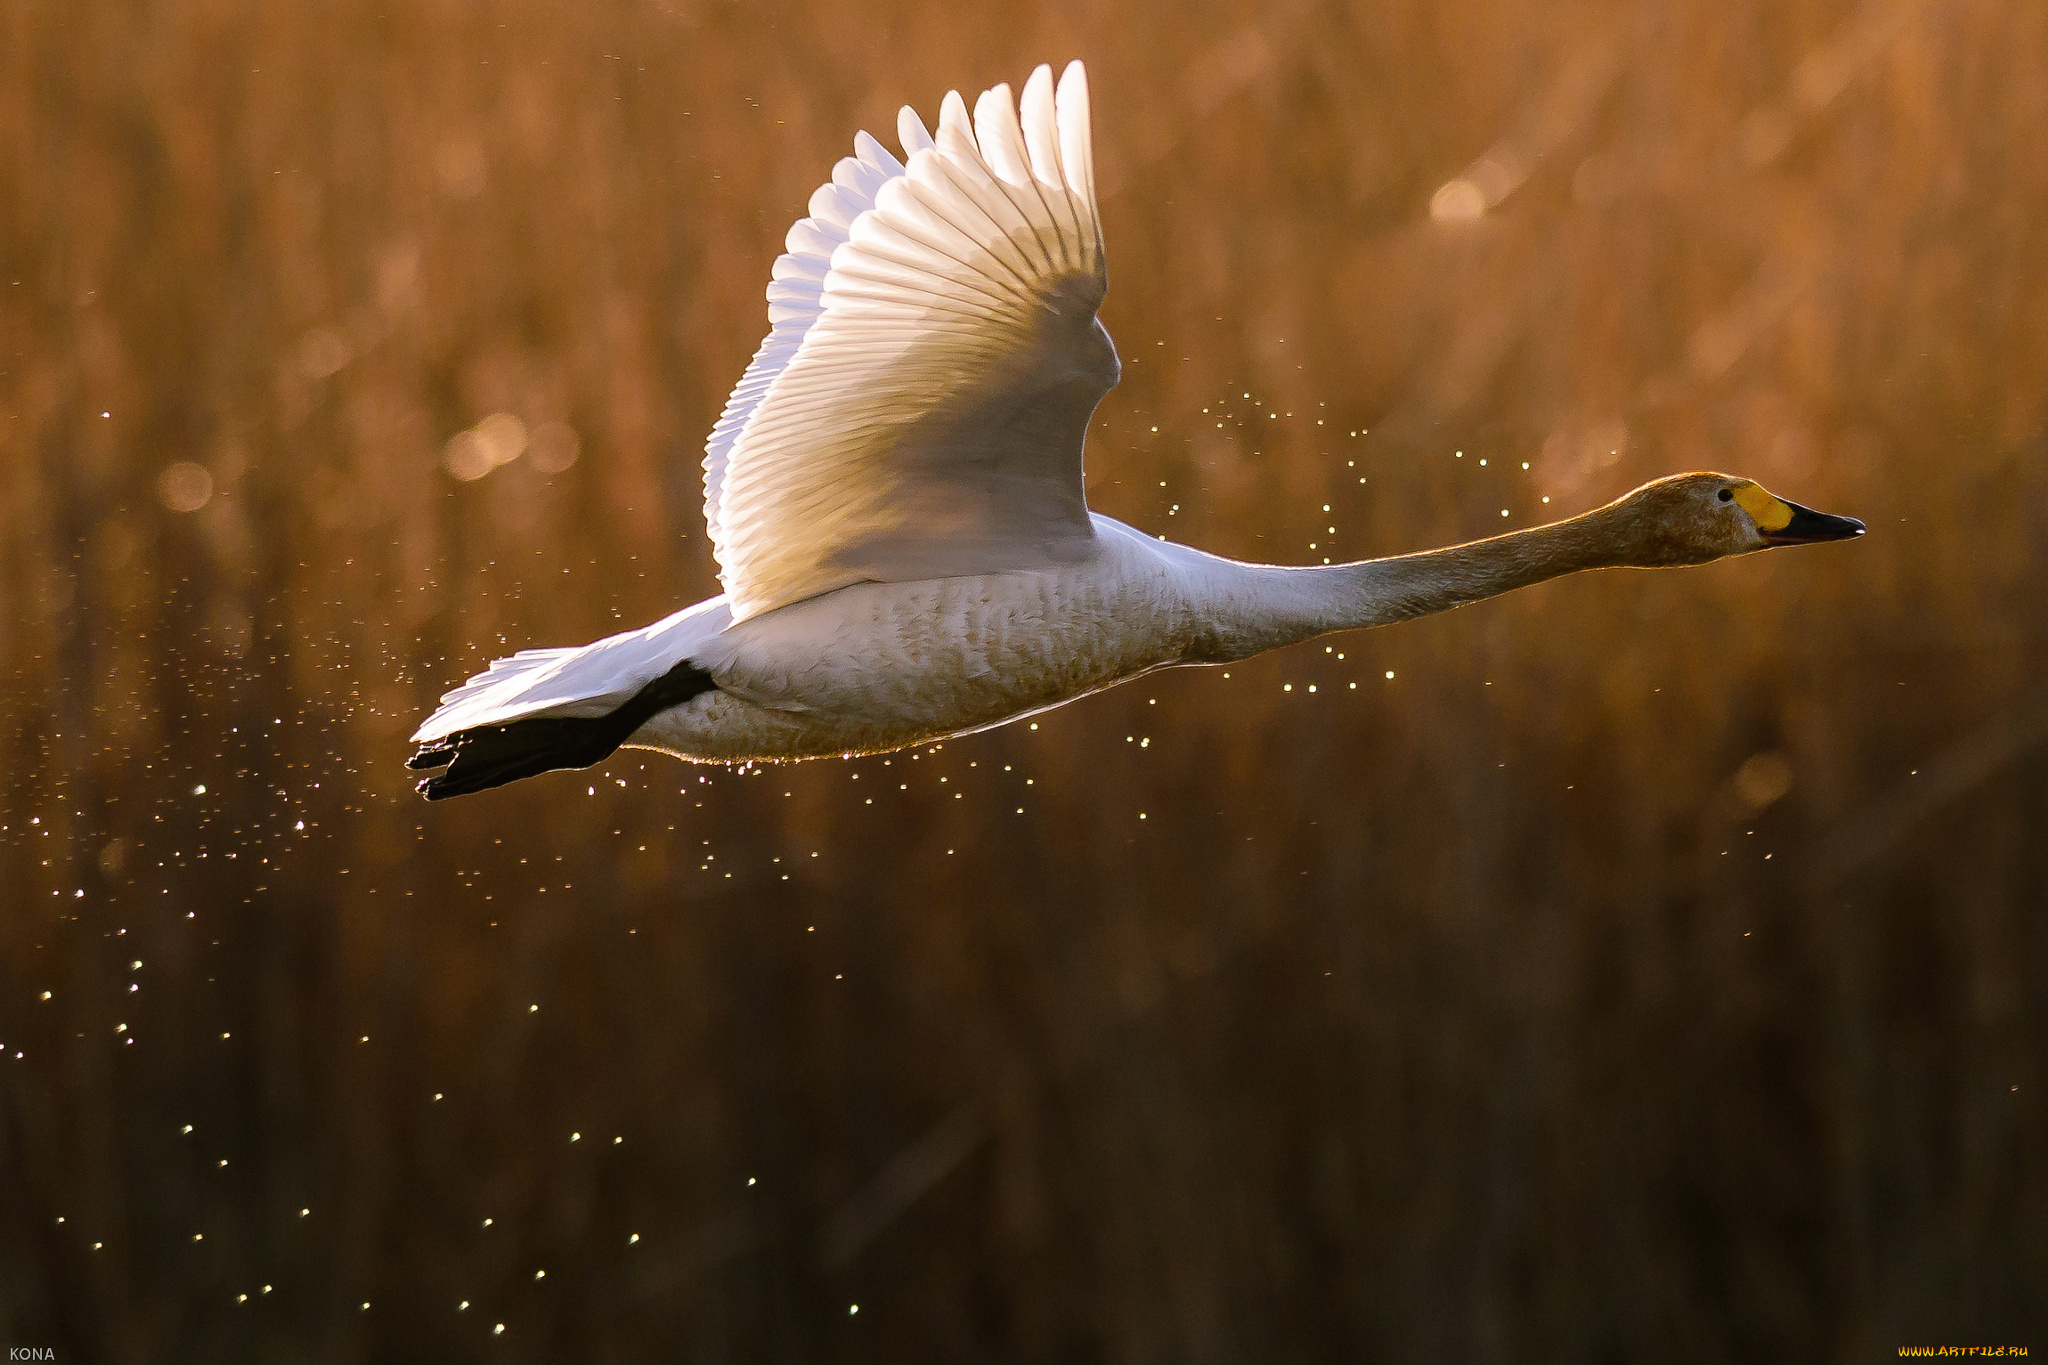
x=894 y=492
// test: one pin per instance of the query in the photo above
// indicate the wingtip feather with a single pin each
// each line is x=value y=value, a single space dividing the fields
x=1000 y=136
x=1041 y=127
x=1077 y=152
x=953 y=119
x=870 y=150
x=911 y=132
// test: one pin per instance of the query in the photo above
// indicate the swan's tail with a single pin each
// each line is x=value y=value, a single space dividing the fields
x=544 y=709
x=485 y=756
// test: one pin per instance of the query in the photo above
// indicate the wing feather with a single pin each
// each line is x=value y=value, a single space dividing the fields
x=911 y=132
x=1002 y=142
x=918 y=407
x=1041 y=139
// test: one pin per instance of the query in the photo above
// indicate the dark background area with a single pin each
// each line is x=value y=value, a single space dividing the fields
x=1643 y=966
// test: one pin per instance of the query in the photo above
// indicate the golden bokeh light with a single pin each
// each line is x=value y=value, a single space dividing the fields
x=185 y=486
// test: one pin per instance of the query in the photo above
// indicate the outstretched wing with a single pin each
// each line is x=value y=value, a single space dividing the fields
x=918 y=408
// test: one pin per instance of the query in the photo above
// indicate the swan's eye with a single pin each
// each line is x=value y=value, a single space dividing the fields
x=1726 y=495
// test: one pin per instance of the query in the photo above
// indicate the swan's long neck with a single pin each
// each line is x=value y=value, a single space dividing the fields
x=1262 y=606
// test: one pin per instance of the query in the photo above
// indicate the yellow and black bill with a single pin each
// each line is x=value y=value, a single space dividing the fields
x=1787 y=523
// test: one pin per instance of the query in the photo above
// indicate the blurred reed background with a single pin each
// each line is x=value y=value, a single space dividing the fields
x=1644 y=966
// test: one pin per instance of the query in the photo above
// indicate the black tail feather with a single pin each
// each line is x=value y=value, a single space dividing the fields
x=492 y=755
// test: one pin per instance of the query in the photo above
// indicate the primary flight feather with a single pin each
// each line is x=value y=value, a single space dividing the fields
x=894 y=494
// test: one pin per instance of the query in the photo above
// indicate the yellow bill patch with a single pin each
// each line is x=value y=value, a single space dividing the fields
x=1768 y=512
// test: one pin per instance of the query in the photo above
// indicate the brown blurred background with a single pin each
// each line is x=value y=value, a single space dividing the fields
x=1645 y=966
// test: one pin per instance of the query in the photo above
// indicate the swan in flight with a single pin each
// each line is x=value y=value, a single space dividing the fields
x=894 y=495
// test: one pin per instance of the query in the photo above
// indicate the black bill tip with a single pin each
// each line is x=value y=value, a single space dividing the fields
x=1809 y=527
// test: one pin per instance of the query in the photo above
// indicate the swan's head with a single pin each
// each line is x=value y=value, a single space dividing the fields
x=1694 y=518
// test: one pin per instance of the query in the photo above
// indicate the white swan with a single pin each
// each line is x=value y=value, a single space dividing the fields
x=894 y=495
